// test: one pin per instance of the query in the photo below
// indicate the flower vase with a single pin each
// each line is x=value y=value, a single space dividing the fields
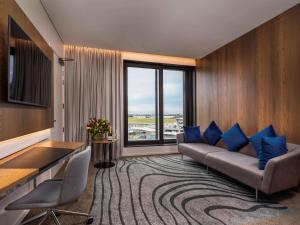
x=98 y=137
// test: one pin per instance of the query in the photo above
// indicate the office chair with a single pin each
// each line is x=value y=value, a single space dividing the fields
x=52 y=193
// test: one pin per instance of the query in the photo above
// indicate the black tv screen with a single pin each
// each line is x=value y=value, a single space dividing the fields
x=29 y=70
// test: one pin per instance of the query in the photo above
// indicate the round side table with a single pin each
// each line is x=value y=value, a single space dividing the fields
x=104 y=164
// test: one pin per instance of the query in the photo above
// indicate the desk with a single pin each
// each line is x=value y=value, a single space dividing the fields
x=104 y=164
x=11 y=178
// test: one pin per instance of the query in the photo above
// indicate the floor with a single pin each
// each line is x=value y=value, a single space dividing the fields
x=291 y=199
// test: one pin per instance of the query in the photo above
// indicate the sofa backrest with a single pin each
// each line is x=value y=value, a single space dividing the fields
x=291 y=147
x=247 y=150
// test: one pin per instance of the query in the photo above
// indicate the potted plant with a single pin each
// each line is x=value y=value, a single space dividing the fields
x=98 y=128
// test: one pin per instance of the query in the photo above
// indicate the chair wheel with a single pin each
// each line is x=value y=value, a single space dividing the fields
x=89 y=220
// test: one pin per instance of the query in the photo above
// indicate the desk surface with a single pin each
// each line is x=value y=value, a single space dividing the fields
x=11 y=177
x=38 y=158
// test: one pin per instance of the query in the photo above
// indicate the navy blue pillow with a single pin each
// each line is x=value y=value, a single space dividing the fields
x=234 y=138
x=271 y=147
x=256 y=139
x=212 y=133
x=192 y=134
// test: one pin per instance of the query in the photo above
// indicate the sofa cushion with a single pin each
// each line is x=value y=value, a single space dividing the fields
x=234 y=138
x=212 y=133
x=271 y=147
x=197 y=151
x=236 y=165
x=255 y=140
x=192 y=134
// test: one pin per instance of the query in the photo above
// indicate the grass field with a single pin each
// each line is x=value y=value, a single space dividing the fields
x=135 y=120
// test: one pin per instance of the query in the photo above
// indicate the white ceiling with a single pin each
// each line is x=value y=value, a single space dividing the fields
x=186 y=28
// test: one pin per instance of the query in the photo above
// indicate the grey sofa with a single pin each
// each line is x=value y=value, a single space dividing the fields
x=281 y=173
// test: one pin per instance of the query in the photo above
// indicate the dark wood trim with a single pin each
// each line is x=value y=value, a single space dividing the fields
x=125 y=105
x=161 y=106
x=156 y=103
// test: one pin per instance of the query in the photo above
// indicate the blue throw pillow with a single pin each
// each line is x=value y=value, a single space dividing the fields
x=271 y=147
x=192 y=134
x=212 y=133
x=256 y=139
x=234 y=138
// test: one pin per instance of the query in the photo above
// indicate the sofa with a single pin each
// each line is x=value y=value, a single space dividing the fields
x=281 y=173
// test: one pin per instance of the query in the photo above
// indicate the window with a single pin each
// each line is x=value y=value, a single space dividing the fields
x=158 y=102
x=142 y=112
x=173 y=102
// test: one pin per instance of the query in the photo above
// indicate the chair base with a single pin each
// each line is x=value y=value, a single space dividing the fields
x=54 y=213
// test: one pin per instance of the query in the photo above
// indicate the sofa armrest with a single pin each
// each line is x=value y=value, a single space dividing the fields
x=282 y=173
x=179 y=138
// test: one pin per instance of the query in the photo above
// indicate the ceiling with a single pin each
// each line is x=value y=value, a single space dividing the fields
x=185 y=28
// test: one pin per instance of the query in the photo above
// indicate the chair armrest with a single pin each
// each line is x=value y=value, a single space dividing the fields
x=179 y=138
x=282 y=173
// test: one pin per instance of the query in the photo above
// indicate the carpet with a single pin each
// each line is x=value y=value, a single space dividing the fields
x=166 y=190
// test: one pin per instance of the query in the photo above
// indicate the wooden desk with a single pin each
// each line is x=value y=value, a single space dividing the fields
x=11 y=178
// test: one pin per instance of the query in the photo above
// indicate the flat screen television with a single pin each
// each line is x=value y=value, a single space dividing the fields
x=29 y=69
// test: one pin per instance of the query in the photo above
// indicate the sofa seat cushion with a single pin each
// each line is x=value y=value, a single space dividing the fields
x=239 y=166
x=197 y=151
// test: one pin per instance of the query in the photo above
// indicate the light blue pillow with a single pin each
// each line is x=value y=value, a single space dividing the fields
x=271 y=147
x=255 y=140
x=234 y=138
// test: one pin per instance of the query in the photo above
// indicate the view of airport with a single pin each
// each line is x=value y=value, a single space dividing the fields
x=143 y=103
x=142 y=127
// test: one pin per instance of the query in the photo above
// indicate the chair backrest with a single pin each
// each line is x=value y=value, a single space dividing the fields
x=75 y=176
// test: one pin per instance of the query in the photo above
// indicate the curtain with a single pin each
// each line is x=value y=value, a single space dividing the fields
x=93 y=88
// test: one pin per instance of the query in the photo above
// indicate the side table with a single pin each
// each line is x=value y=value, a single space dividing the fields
x=104 y=143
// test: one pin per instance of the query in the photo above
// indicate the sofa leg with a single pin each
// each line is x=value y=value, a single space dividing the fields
x=181 y=156
x=256 y=194
x=207 y=169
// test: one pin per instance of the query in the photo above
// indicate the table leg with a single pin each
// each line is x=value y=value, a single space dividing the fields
x=104 y=153
x=104 y=163
x=110 y=152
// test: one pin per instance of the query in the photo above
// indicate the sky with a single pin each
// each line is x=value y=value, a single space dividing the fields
x=141 y=91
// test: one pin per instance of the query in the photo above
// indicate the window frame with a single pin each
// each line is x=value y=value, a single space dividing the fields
x=187 y=97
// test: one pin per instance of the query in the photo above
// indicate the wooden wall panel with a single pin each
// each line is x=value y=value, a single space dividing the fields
x=255 y=79
x=17 y=120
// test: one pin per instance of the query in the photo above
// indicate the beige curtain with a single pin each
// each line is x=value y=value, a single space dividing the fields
x=93 y=88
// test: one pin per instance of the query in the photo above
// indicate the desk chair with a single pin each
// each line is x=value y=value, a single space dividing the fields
x=52 y=193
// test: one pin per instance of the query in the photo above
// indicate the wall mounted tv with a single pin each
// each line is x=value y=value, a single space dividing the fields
x=29 y=69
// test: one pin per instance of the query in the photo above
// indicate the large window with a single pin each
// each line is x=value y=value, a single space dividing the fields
x=158 y=102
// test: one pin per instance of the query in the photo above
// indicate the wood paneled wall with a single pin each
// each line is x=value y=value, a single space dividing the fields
x=255 y=79
x=17 y=120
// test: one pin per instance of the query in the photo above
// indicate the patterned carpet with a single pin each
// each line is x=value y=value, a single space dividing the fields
x=166 y=190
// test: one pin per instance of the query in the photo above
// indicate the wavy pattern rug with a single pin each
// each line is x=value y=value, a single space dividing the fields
x=166 y=190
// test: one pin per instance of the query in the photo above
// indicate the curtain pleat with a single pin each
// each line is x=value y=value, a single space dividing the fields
x=93 y=88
